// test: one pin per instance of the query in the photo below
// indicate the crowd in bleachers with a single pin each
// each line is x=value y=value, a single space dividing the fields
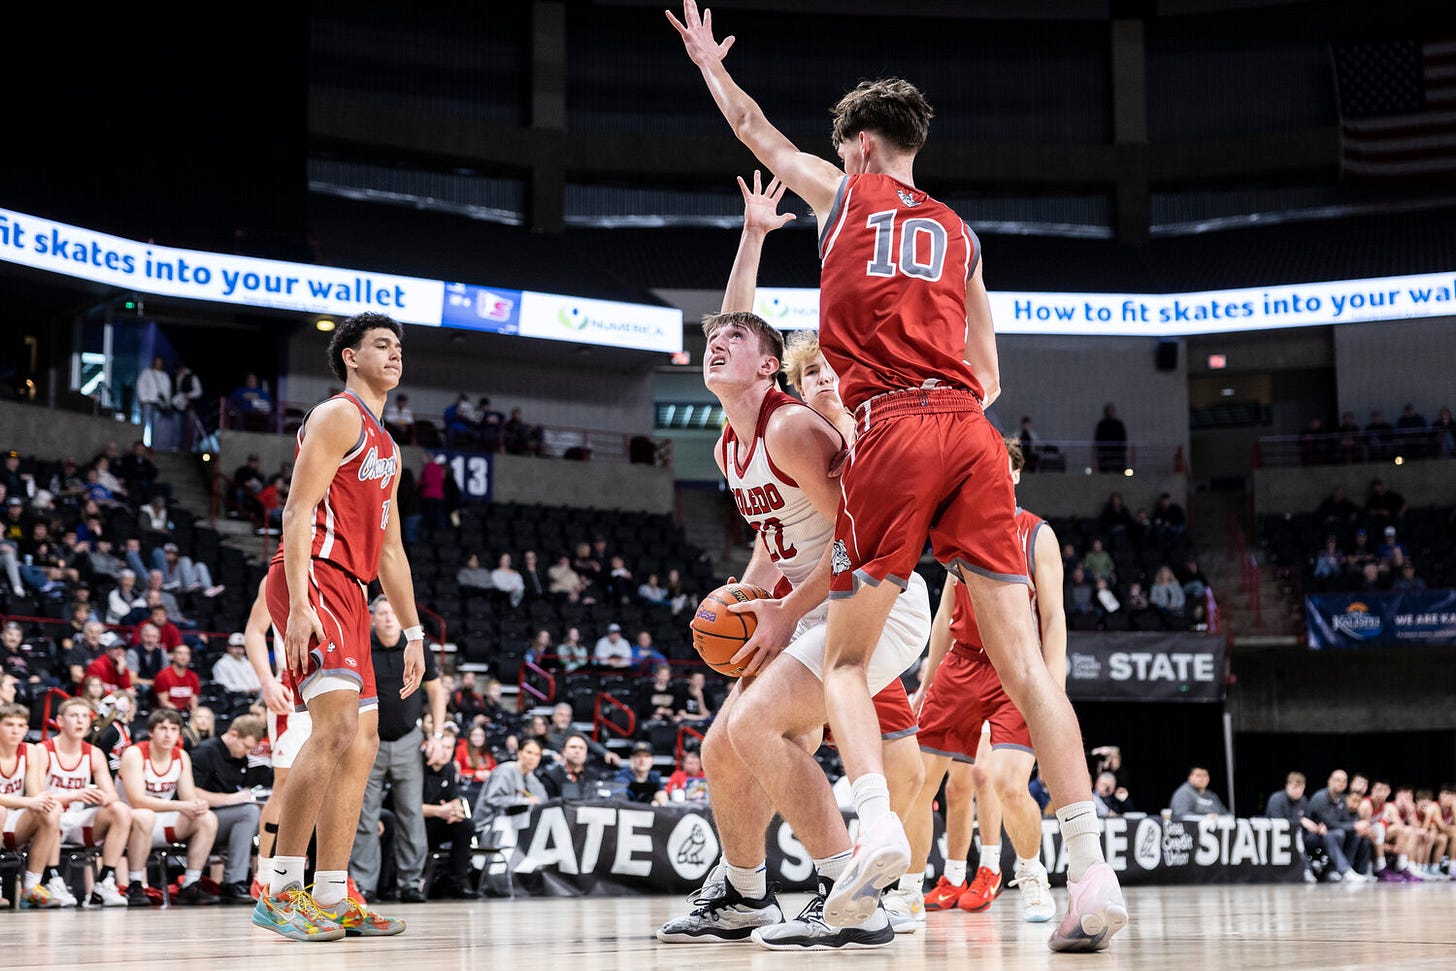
x=1378 y=545
x=1411 y=436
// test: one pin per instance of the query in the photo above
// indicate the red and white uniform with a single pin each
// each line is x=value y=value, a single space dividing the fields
x=12 y=783
x=795 y=534
x=967 y=692
x=349 y=527
x=161 y=783
x=286 y=733
x=893 y=325
x=78 y=819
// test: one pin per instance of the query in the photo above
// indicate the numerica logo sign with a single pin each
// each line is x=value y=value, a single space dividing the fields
x=575 y=318
x=1358 y=621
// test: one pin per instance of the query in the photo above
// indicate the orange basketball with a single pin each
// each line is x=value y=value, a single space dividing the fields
x=718 y=633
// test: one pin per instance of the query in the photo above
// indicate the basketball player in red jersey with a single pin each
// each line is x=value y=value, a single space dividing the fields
x=339 y=534
x=905 y=322
x=156 y=775
x=961 y=691
x=30 y=817
x=777 y=456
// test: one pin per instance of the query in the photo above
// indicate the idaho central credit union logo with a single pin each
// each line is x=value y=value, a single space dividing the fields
x=1358 y=622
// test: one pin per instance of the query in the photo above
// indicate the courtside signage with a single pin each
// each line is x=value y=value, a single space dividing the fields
x=279 y=285
x=1178 y=314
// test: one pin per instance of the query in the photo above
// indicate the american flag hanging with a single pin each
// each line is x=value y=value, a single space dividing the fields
x=1397 y=104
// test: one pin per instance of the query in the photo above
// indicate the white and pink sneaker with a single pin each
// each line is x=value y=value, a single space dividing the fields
x=1095 y=911
x=881 y=856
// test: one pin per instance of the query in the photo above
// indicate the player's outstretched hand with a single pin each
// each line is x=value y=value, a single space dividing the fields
x=761 y=206
x=772 y=634
x=697 y=35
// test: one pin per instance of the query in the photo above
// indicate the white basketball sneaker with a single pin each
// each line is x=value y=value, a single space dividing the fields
x=1037 y=904
x=906 y=910
x=1095 y=912
x=881 y=856
x=56 y=887
x=809 y=932
x=728 y=918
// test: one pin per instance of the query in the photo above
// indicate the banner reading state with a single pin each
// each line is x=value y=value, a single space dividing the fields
x=1146 y=666
x=1426 y=617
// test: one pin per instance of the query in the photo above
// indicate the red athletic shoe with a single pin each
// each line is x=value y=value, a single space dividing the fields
x=944 y=895
x=257 y=889
x=982 y=891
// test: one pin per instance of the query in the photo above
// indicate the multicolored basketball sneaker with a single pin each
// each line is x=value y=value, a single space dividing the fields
x=291 y=913
x=357 y=920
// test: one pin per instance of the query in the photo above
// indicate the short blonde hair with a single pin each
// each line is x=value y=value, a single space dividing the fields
x=799 y=348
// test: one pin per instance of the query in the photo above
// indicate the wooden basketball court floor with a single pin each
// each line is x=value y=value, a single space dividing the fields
x=1289 y=927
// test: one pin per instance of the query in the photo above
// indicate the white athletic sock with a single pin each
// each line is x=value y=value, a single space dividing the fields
x=991 y=857
x=955 y=872
x=832 y=867
x=189 y=877
x=913 y=882
x=286 y=870
x=330 y=886
x=1082 y=834
x=1380 y=864
x=871 y=798
x=32 y=880
x=265 y=870
x=1024 y=863
x=139 y=876
x=1400 y=861
x=751 y=881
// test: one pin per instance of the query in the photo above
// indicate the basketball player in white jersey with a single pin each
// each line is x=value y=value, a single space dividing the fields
x=777 y=456
x=30 y=817
x=77 y=776
x=156 y=774
x=287 y=729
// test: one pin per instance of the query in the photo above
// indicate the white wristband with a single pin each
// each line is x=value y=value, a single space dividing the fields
x=415 y=633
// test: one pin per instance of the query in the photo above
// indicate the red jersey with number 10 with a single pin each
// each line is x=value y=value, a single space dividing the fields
x=349 y=524
x=892 y=292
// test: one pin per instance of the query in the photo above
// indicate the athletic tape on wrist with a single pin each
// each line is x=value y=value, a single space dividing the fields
x=415 y=633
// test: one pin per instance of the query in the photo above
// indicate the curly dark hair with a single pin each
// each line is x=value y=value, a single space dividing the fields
x=350 y=333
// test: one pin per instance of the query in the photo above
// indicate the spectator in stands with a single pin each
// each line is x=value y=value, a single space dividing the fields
x=1341 y=834
x=1136 y=600
x=201 y=726
x=1166 y=594
x=612 y=649
x=563 y=582
x=1443 y=434
x=540 y=649
x=139 y=472
x=474 y=580
x=1290 y=803
x=652 y=593
x=1169 y=522
x=1193 y=798
x=1408 y=582
x=1329 y=563
x=232 y=672
x=1336 y=509
x=1079 y=594
x=407 y=501
x=559 y=729
x=186 y=393
x=1350 y=443
x=618 y=585
x=1115 y=517
x=1411 y=433
x=124 y=597
x=1379 y=437
x=474 y=759
x=532 y=578
x=1359 y=555
x=1111 y=438
x=251 y=403
x=157 y=597
x=148 y=657
x=494 y=709
x=447 y=820
x=271 y=499
x=432 y=492
x=1107 y=601
x=462 y=423
x=657 y=703
x=181 y=574
x=571 y=778
x=677 y=591
x=466 y=701
x=638 y=781
x=588 y=566
x=1098 y=564
x=507 y=581
x=111 y=668
x=177 y=685
x=399 y=419
x=688 y=783
x=571 y=653
x=27 y=661
x=1392 y=552
x=1384 y=504
x=157 y=616
x=9 y=688
x=1313 y=445
x=1028 y=439
x=692 y=701
x=154 y=394
x=490 y=426
x=83 y=652
x=520 y=437
x=1195 y=587
x=1371 y=580
x=248 y=481
x=1110 y=799
x=220 y=769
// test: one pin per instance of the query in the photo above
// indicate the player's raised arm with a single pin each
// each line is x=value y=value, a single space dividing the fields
x=981 y=337
x=813 y=179
x=761 y=216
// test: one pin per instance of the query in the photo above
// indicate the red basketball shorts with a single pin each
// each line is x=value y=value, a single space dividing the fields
x=892 y=708
x=343 y=660
x=925 y=465
x=967 y=692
